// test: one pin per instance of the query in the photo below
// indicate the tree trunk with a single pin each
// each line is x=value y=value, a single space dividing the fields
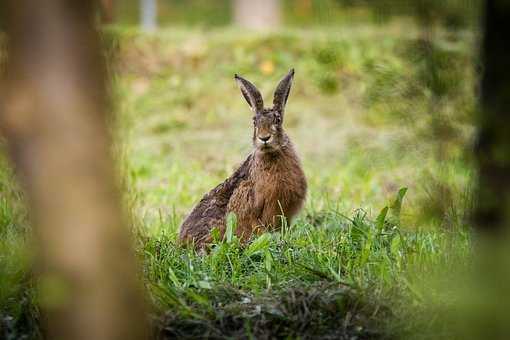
x=258 y=15
x=148 y=12
x=493 y=150
x=107 y=11
x=54 y=119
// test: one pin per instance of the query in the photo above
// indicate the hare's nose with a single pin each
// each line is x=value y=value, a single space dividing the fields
x=265 y=138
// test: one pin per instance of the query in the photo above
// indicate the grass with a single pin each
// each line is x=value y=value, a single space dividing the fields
x=389 y=185
x=329 y=276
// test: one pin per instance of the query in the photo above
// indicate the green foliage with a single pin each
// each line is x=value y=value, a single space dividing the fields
x=367 y=260
x=18 y=316
x=453 y=14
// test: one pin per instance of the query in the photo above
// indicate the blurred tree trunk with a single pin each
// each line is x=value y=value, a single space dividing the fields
x=107 y=11
x=149 y=14
x=490 y=318
x=260 y=14
x=493 y=149
x=53 y=116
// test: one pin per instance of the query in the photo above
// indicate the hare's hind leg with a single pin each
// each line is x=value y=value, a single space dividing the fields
x=243 y=206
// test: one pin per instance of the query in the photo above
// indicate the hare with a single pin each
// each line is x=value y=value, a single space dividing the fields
x=269 y=183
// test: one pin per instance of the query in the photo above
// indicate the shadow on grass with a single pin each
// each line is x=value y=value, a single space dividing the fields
x=322 y=310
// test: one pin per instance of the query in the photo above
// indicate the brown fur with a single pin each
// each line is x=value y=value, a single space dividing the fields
x=269 y=185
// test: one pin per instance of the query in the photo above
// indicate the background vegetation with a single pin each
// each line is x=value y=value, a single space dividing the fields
x=306 y=13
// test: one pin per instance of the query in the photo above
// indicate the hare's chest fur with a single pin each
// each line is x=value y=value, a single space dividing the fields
x=279 y=187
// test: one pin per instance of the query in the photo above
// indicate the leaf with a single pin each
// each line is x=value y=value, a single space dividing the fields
x=268 y=261
x=173 y=277
x=259 y=245
x=367 y=249
x=379 y=221
x=199 y=299
x=204 y=284
x=396 y=206
x=395 y=246
x=231 y=227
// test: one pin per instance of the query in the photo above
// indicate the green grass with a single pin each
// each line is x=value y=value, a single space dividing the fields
x=329 y=275
x=364 y=258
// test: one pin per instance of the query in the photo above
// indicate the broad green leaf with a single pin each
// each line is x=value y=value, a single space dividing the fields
x=379 y=221
x=396 y=206
x=259 y=245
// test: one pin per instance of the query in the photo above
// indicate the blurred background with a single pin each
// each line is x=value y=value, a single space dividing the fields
x=455 y=14
x=391 y=84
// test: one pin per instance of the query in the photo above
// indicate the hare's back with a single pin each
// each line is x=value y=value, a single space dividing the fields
x=211 y=210
x=207 y=214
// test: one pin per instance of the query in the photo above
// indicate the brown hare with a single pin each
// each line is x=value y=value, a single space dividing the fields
x=270 y=182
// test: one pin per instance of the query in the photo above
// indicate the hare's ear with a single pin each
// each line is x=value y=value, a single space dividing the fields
x=282 y=92
x=251 y=94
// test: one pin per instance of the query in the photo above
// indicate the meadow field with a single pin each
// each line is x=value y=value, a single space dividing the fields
x=383 y=122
